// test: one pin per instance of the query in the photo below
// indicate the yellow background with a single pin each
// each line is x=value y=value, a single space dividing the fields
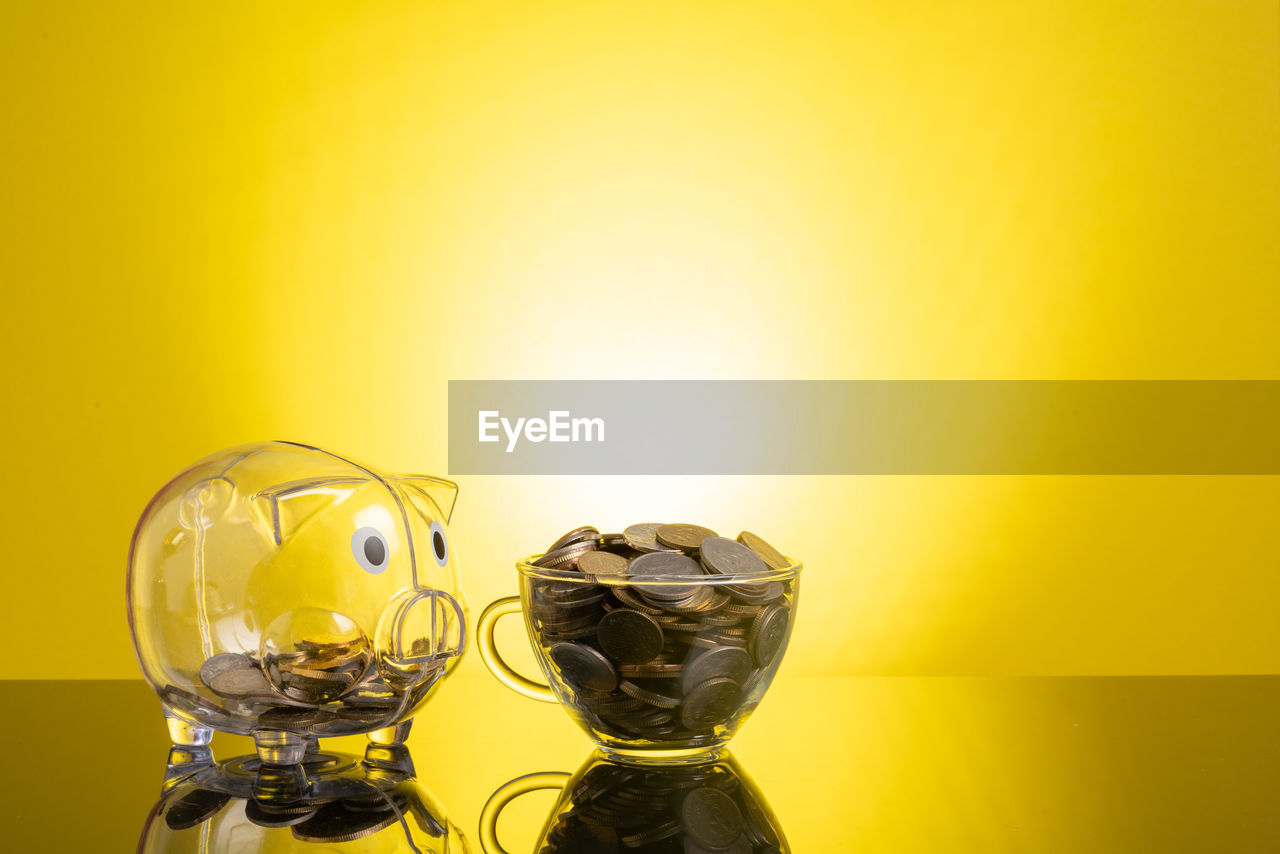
x=299 y=220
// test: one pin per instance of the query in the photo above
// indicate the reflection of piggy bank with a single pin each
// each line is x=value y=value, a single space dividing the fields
x=239 y=807
x=285 y=592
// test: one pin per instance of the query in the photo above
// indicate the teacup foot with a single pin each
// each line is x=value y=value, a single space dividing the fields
x=658 y=756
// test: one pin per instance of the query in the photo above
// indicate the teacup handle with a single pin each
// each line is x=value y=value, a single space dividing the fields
x=508 y=792
x=493 y=659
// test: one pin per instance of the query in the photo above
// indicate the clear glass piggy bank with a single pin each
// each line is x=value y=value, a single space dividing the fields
x=285 y=592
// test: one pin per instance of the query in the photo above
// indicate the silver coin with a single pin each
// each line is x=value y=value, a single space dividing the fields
x=290 y=718
x=729 y=557
x=648 y=696
x=702 y=599
x=670 y=565
x=768 y=631
x=241 y=683
x=222 y=662
x=584 y=667
x=565 y=557
x=756 y=594
x=577 y=535
x=729 y=662
x=632 y=600
x=711 y=703
x=643 y=537
x=629 y=637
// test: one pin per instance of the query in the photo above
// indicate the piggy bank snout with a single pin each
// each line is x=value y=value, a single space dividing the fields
x=420 y=631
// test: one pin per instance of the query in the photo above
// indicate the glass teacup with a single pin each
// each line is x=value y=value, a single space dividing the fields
x=662 y=661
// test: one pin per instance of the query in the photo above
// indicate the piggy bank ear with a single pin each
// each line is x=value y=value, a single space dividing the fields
x=439 y=492
x=286 y=506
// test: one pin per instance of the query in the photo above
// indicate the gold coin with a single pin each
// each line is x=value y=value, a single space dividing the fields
x=602 y=563
x=767 y=553
x=683 y=536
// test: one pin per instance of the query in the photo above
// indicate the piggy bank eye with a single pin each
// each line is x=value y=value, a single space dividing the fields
x=439 y=544
x=370 y=549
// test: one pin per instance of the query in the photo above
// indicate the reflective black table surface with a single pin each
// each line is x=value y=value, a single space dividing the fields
x=871 y=765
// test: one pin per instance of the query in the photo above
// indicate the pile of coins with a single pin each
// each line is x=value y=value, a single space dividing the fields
x=693 y=809
x=289 y=691
x=321 y=668
x=651 y=658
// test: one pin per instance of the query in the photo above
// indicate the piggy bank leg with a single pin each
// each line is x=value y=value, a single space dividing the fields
x=183 y=732
x=190 y=751
x=276 y=747
x=386 y=748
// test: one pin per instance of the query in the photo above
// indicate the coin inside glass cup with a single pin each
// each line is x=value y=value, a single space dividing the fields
x=753 y=594
x=683 y=536
x=602 y=563
x=774 y=558
x=767 y=633
x=629 y=637
x=660 y=565
x=711 y=703
x=577 y=535
x=729 y=557
x=720 y=662
x=584 y=667
x=643 y=536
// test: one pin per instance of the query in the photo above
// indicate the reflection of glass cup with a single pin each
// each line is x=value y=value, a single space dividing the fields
x=610 y=806
x=327 y=803
x=656 y=668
